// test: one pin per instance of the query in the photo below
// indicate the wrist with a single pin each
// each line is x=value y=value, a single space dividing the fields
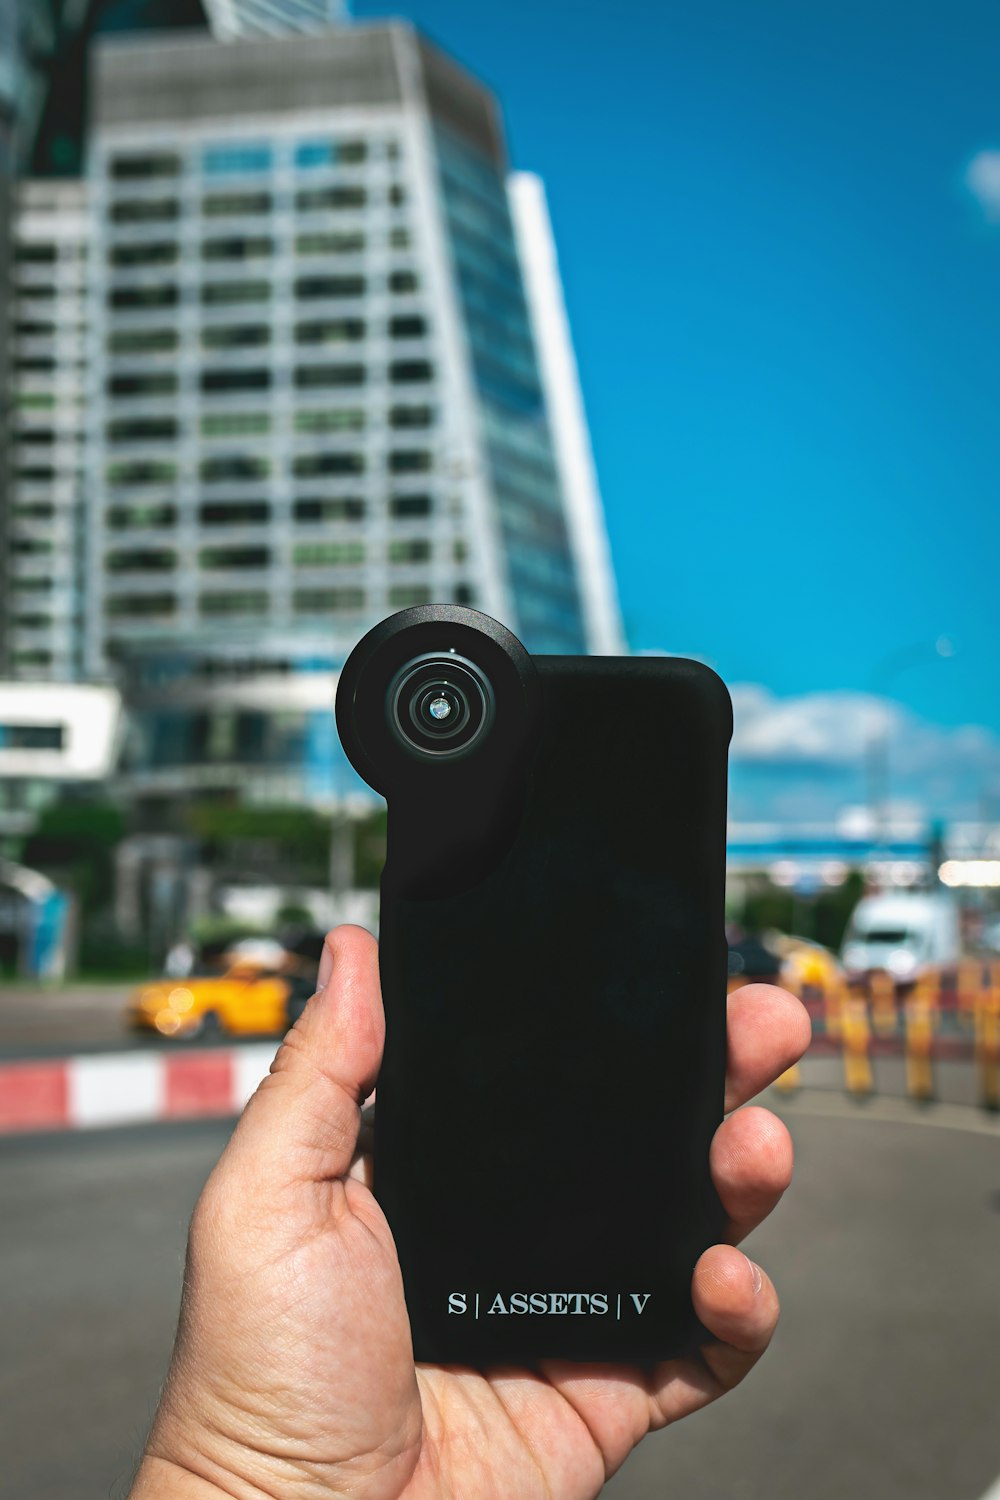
x=161 y=1479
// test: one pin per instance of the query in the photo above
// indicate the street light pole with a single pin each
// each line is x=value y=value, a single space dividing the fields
x=877 y=746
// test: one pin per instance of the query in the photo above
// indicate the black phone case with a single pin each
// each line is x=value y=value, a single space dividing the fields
x=553 y=968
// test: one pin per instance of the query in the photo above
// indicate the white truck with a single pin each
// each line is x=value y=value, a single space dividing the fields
x=902 y=933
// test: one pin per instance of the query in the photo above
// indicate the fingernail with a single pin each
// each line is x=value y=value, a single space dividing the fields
x=325 y=968
x=756 y=1275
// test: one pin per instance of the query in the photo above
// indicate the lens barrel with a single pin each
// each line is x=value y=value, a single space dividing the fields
x=440 y=704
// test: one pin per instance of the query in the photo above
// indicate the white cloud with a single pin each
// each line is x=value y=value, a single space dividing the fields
x=802 y=758
x=982 y=178
x=815 y=729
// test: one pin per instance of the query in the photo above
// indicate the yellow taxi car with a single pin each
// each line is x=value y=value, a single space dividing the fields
x=244 y=1001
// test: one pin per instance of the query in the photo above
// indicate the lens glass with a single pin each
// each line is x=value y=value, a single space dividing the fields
x=440 y=704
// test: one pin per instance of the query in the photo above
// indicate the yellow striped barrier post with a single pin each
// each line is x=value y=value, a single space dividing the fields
x=856 y=1037
x=833 y=1000
x=970 y=985
x=882 y=991
x=790 y=1080
x=919 y=1020
x=988 y=1047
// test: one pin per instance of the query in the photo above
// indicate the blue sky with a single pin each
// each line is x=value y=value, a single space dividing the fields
x=786 y=305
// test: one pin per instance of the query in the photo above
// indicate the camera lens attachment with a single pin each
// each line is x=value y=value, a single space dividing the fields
x=440 y=704
x=435 y=690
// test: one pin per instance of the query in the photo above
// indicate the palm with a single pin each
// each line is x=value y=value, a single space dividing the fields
x=341 y=1379
x=294 y=1323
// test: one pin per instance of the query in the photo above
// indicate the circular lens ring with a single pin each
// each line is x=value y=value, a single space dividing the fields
x=425 y=721
x=464 y=687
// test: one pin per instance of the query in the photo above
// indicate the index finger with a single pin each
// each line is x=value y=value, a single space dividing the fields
x=767 y=1030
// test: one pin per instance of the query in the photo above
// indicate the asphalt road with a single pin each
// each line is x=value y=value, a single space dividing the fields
x=883 y=1383
x=39 y=1019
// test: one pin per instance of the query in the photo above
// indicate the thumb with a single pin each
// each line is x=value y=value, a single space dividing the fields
x=302 y=1123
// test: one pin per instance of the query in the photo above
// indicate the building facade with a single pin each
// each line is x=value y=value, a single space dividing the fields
x=318 y=390
x=42 y=566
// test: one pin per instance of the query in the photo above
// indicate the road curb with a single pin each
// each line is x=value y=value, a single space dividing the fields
x=126 y=1088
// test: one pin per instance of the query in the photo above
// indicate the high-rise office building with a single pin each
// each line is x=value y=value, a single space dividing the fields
x=317 y=395
x=320 y=388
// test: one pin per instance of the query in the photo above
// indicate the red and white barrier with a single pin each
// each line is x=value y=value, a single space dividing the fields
x=125 y=1088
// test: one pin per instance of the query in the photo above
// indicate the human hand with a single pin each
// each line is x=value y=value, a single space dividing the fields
x=292 y=1375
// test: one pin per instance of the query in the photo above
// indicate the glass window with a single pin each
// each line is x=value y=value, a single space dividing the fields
x=156 y=253
x=405 y=507
x=311 y=154
x=411 y=416
x=327 y=601
x=140 y=606
x=340 y=196
x=331 y=419
x=149 y=164
x=330 y=508
x=144 y=210
x=235 y=380
x=235 y=513
x=235 y=424
x=399 y=238
x=142 y=430
x=330 y=244
x=163 y=295
x=143 y=341
x=236 y=336
x=247 y=602
x=215 y=292
x=310 y=377
x=308 y=464
x=142 y=560
x=35 y=255
x=234 y=157
x=235 y=466
x=410 y=461
x=33 y=658
x=410 y=327
x=237 y=247
x=328 y=554
x=140 y=517
x=330 y=331
x=409 y=371
x=160 y=383
x=407 y=596
x=353 y=152
x=140 y=471
x=234 y=557
x=226 y=205
x=330 y=286
x=403 y=281
x=410 y=550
